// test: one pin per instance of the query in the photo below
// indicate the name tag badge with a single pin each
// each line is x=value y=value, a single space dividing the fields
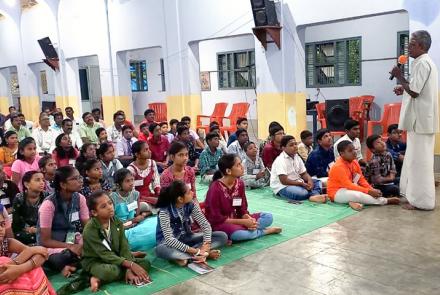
x=139 y=182
x=255 y=171
x=74 y=216
x=70 y=238
x=105 y=243
x=132 y=206
x=236 y=202
x=72 y=162
x=356 y=178
x=5 y=201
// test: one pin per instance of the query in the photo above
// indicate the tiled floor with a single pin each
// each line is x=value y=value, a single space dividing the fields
x=381 y=250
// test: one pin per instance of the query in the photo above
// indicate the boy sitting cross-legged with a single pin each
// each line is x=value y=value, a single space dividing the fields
x=396 y=146
x=209 y=157
x=346 y=184
x=381 y=168
x=255 y=174
x=289 y=177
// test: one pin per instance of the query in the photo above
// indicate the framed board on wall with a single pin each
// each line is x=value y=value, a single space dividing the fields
x=205 y=81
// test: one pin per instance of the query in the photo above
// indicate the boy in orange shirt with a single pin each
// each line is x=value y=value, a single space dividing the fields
x=346 y=184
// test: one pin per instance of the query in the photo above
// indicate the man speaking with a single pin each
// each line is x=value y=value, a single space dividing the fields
x=419 y=116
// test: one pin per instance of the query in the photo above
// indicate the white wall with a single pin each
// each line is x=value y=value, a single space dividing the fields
x=37 y=23
x=35 y=70
x=379 y=40
x=208 y=63
x=10 y=47
x=141 y=99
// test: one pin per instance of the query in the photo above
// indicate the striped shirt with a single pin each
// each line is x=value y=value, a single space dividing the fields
x=169 y=238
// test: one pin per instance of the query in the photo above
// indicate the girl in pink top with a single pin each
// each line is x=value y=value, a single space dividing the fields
x=62 y=216
x=179 y=170
x=27 y=160
x=226 y=204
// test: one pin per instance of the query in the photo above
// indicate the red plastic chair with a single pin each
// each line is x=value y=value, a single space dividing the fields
x=160 y=108
x=391 y=113
x=359 y=109
x=239 y=110
x=217 y=115
x=320 y=109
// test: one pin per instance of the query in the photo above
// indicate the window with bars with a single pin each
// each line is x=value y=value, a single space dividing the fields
x=402 y=49
x=138 y=76
x=236 y=69
x=333 y=63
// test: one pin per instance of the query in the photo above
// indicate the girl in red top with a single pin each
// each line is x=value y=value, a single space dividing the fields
x=64 y=153
x=144 y=170
x=226 y=204
x=346 y=184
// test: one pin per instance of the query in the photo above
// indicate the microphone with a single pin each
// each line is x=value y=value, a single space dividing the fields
x=403 y=59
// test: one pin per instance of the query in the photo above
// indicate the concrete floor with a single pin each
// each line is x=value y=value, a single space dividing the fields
x=381 y=250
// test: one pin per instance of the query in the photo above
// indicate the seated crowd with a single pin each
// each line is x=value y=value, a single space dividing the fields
x=64 y=180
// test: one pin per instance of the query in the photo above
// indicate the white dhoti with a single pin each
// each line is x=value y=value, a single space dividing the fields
x=417 y=178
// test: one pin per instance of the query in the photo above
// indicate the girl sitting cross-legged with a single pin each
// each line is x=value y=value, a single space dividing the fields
x=144 y=170
x=64 y=153
x=93 y=180
x=23 y=273
x=26 y=205
x=139 y=230
x=226 y=204
x=61 y=218
x=106 y=254
x=179 y=170
x=175 y=240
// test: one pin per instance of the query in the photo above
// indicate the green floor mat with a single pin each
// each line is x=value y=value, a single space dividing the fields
x=295 y=219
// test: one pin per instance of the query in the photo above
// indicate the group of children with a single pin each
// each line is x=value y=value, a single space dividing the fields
x=92 y=209
x=66 y=201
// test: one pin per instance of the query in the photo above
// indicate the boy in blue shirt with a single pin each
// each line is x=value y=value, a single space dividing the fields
x=396 y=146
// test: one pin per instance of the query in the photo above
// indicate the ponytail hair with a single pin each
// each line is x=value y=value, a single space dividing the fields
x=224 y=163
x=217 y=175
x=168 y=195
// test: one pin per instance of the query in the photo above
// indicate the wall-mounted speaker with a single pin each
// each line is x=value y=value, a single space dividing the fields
x=264 y=13
x=47 y=47
x=337 y=111
x=50 y=53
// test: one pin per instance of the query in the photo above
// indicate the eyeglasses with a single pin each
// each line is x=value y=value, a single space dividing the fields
x=77 y=178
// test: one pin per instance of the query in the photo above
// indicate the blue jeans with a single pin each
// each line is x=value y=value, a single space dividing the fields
x=218 y=239
x=299 y=193
x=264 y=221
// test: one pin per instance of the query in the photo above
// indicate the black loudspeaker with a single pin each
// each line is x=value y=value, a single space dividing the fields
x=337 y=111
x=48 y=49
x=264 y=13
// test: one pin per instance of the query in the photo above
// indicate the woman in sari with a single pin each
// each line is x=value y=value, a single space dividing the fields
x=23 y=273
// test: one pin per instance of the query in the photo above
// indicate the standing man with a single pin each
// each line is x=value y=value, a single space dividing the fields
x=419 y=116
